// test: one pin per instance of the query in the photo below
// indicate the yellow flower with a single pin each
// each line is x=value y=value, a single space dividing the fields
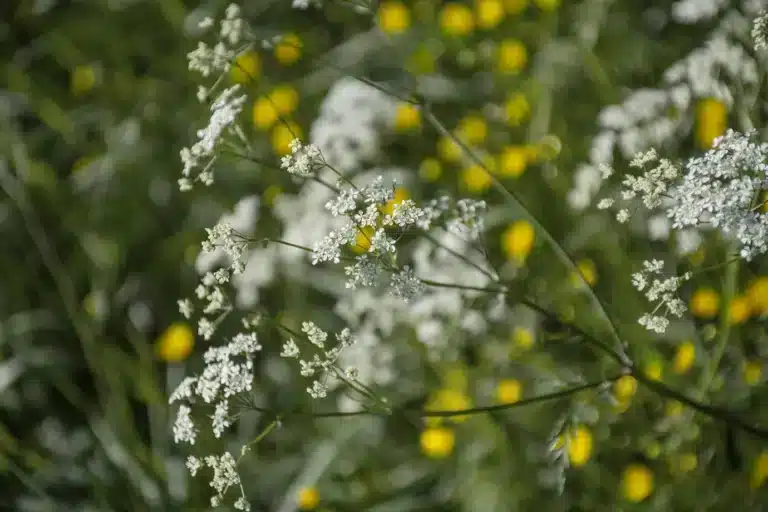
x=489 y=13
x=511 y=57
x=455 y=377
x=523 y=338
x=246 y=67
x=517 y=240
x=547 y=5
x=516 y=109
x=512 y=161
x=175 y=343
x=437 y=442
x=509 y=391
x=449 y=399
x=654 y=370
x=739 y=310
x=430 y=169
x=625 y=387
x=288 y=50
x=674 y=408
x=363 y=239
x=580 y=446
x=407 y=117
x=711 y=120
x=283 y=135
x=400 y=195
x=448 y=150
x=705 y=303
x=264 y=113
x=684 y=357
x=285 y=99
x=272 y=192
x=759 y=470
x=588 y=271
x=394 y=17
x=308 y=498
x=476 y=179
x=472 y=129
x=82 y=79
x=422 y=61
x=456 y=19
x=753 y=372
x=515 y=6
x=758 y=295
x=637 y=482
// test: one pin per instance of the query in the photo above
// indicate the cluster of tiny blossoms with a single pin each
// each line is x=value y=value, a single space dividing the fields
x=320 y=368
x=225 y=475
x=660 y=292
x=224 y=109
x=304 y=160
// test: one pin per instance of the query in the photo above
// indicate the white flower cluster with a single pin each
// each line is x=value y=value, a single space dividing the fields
x=304 y=160
x=469 y=218
x=225 y=476
x=352 y=118
x=693 y=11
x=661 y=292
x=207 y=60
x=321 y=368
x=722 y=189
x=760 y=31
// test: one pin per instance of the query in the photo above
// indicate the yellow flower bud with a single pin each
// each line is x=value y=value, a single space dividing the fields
x=637 y=483
x=175 y=343
x=437 y=442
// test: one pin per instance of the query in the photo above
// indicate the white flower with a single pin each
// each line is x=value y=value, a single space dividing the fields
x=290 y=349
x=221 y=418
x=406 y=285
x=303 y=160
x=193 y=464
x=184 y=428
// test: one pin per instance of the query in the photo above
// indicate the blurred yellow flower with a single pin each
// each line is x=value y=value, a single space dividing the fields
x=637 y=483
x=625 y=387
x=759 y=470
x=711 y=120
x=686 y=462
x=547 y=5
x=264 y=113
x=653 y=450
x=282 y=136
x=288 y=50
x=758 y=295
x=685 y=356
x=654 y=370
x=456 y=19
x=674 y=408
x=394 y=17
x=588 y=271
x=489 y=13
x=509 y=391
x=285 y=98
x=82 y=79
x=705 y=303
x=739 y=310
x=175 y=343
x=516 y=109
x=580 y=446
x=448 y=149
x=472 y=129
x=476 y=179
x=308 y=498
x=512 y=161
x=363 y=239
x=515 y=6
x=437 y=442
x=430 y=169
x=523 y=338
x=271 y=194
x=517 y=240
x=400 y=194
x=246 y=67
x=407 y=117
x=449 y=399
x=422 y=61
x=753 y=372
x=511 y=57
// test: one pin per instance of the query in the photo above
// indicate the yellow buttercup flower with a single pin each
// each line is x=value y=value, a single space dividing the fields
x=517 y=240
x=175 y=343
x=580 y=446
x=587 y=269
x=753 y=372
x=523 y=338
x=285 y=99
x=430 y=169
x=394 y=17
x=711 y=121
x=282 y=136
x=509 y=391
x=489 y=13
x=625 y=387
x=759 y=470
x=547 y=5
x=637 y=483
x=82 y=79
x=515 y=6
x=472 y=129
x=476 y=179
x=684 y=357
x=758 y=295
x=516 y=109
x=400 y=194
x=448 y=150
x=407 y=117
x=363 y=239
x=449 y=399
x=705 y=303
x=288 y=50
x=511 y=57
x=246 y=68
x=456 y=19
x=308 y=498
x=512 y=161
x=437 y=442
x=264 y=113
x=654 y=370
x=739 y=310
